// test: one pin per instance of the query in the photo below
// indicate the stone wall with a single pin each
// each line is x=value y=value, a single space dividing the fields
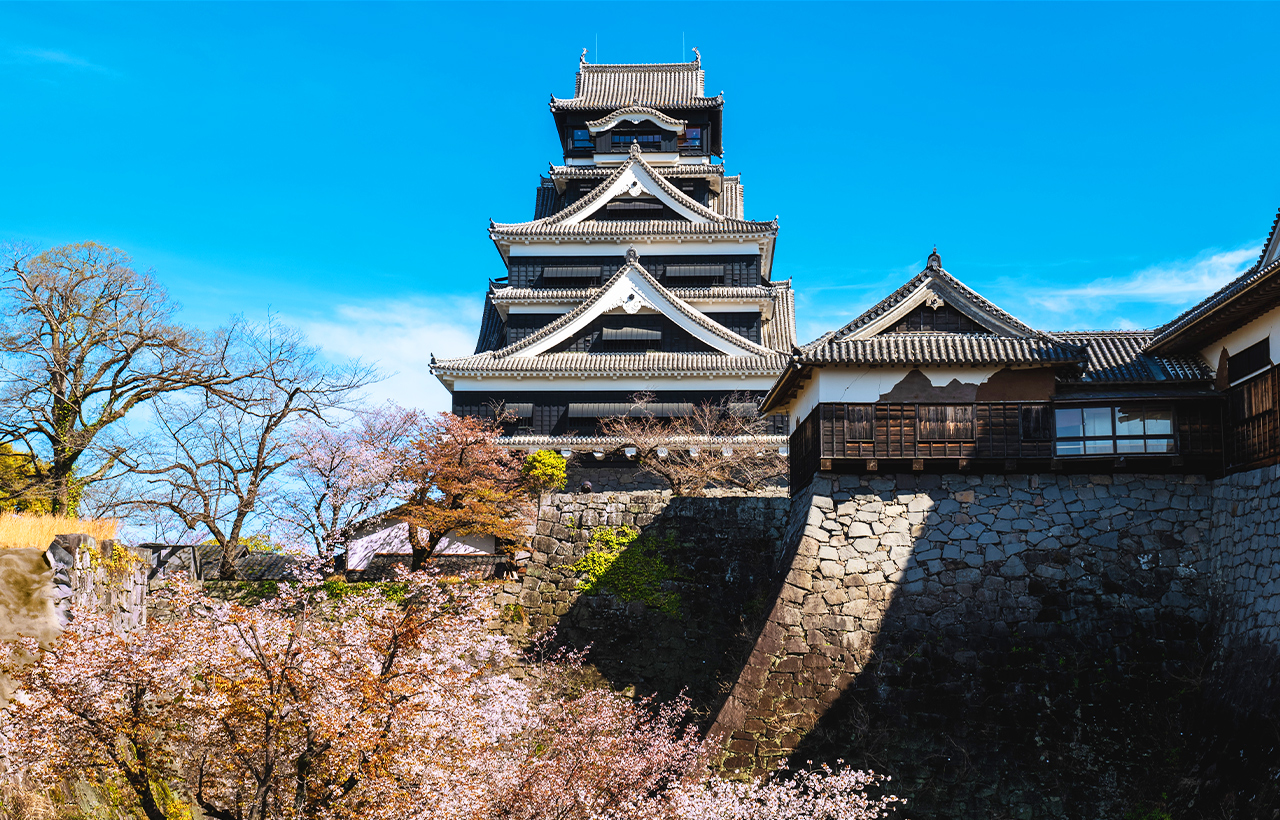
x=1246 y=558
x=1023 y=646
x=108 y=577
x=1246 y=589
x=724 y=556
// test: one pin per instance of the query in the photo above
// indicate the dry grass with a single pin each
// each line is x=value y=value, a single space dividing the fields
x=18 y=531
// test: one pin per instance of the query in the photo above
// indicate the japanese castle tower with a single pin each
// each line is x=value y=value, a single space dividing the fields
x=639 y=271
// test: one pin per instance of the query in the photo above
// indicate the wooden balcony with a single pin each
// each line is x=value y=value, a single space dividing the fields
x=992 y=437
x=1253 y=416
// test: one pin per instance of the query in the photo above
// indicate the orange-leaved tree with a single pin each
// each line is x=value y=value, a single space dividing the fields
x=461 y=482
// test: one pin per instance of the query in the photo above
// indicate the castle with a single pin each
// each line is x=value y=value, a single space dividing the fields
x=1028 y=573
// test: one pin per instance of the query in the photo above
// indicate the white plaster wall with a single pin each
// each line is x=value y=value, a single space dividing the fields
x=393 y=539
x=1265 y=325
x=867 y=384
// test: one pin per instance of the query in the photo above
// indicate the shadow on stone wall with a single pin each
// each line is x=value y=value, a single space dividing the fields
x=724 y=565
x=1024 y=647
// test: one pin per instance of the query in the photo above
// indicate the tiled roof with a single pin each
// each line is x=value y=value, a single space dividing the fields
x=256 y=566
x=630 y=231
x=658 y=85
x=507 y=296
x=779 y=332
x=631 y=110
x=933 y=272
x=600 y=172
x=621 y=364
x=1251 y=280
x=544 y=204
x=490 y=325
x=676 y=303
x=555 y=226
x=939 y=349
x=1117 y=356
x=507 y=360
x=730 y=201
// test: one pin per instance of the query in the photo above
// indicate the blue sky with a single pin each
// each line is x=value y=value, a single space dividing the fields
x=1082 y=165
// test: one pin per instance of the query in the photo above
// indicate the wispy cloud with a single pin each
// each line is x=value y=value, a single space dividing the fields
x=54 y=57
x=400 y=336
x=1113 y=301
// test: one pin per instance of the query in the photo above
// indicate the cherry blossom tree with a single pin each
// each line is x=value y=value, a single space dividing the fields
x=346 y=473
x=371 y=706
x=714 y=444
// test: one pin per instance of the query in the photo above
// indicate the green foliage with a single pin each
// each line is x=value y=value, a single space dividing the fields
x=16 y=470
x=337 y=589
x=1148 y=812
x=513 y=614
x=545 y=471
x=630 y=567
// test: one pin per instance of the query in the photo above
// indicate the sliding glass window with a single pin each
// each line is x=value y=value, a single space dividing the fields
x=1122 y=430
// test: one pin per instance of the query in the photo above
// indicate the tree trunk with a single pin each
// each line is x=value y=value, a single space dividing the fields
x=421 y=552
x=227 y=566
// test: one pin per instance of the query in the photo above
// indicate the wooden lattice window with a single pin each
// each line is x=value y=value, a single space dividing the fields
x=944 y=422
x=1253 y=398
x=1037 y=422
x=860 y=422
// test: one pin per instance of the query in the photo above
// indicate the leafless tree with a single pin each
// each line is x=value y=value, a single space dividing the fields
x=218 y=458
x=345 y=473
x=715 y=444
x=84 y=340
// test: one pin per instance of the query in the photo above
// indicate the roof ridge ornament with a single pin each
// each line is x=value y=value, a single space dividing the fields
x=935 y=261
x=583 y=59
x=697 y=56
x=634 y=153
x=632 y=254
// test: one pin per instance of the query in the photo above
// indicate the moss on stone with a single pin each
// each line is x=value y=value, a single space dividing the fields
x=634 y=568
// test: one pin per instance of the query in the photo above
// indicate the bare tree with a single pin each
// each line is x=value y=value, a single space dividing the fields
x=84 y=341
x=715 y=444
x=345 y=473
x=217 y=461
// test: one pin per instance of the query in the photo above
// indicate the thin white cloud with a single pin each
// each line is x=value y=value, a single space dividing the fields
x=1148 y=295
x=399 y=337
x=1173 y=283
x=55 y=57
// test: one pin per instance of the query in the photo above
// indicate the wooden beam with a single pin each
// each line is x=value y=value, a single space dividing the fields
x=824 y=464
x=872 y=465
x=917 y=465
x=963 y=465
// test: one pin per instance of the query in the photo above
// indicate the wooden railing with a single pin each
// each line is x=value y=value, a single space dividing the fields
x=901 y=430
x=1007 y=431
x=1253 y=421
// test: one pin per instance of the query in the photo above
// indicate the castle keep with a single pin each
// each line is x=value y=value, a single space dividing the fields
x=638 y=273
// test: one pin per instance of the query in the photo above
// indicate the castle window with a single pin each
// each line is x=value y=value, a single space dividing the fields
x=648 y=142
x=945 y=422
x=1253 y=359
x=1123 y=430
x=691 y=138
x=582 y=139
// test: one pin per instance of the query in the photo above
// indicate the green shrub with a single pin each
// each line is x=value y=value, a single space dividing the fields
x=630 y=567
x=337 y=589
x=545 y=471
